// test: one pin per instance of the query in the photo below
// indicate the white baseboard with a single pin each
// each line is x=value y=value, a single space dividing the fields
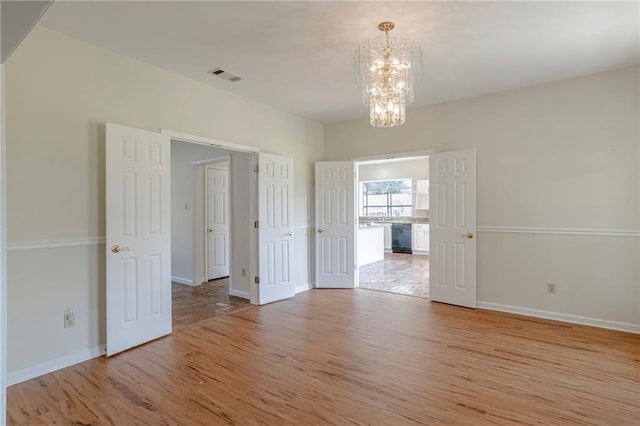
x=302 y=288
x=53 y=365
x=574 y=319
x=180 y=280
x=237 y=293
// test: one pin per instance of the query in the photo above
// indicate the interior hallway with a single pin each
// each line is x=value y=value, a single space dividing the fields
x=398 y=273
x=192 y=304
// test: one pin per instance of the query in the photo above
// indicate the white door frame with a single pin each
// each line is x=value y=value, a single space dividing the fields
x=3 y=254
x=382 y=157
x=253 y=191
x=200 y=267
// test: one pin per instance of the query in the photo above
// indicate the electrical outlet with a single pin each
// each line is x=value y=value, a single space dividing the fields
x=69 y=318
x=551 y=288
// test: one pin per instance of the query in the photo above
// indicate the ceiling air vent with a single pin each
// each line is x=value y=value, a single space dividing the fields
x=225 y=75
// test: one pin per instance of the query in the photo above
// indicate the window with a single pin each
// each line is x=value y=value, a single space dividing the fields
x=388 y=198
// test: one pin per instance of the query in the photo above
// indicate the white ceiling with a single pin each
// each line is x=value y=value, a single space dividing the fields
x=298 y=56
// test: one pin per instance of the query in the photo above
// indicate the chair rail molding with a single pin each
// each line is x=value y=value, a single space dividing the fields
x=587 y=232
x=36 y=245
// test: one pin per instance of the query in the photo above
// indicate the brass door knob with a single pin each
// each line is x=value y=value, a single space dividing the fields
x=467 y=235
x=212 y=229
x=117 y=249
x=290 y=233
x=320 y=230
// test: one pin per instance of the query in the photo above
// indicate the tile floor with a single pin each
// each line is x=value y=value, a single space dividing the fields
x=211 y=299
x=398 y=273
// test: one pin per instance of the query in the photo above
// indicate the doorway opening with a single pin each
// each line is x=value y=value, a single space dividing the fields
x=208 y=256
x=393 y=225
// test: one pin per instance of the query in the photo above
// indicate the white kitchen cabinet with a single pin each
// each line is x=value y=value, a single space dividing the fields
x=387 y=237
x=420 y=238
x=422 y=195
x=370 y=244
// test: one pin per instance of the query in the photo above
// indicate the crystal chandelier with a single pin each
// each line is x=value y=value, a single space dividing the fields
x=387 y=69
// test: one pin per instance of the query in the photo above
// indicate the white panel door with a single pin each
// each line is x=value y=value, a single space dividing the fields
x=217 y=226
x=138 y=187
x=275 y=228
x=452 y=227
x=335 y=225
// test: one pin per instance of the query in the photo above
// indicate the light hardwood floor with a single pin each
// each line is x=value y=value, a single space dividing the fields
x=351 y=357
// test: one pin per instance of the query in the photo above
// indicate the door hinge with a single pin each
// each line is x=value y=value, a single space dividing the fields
x=256 y=168
x=256 y=224
x=256 y=280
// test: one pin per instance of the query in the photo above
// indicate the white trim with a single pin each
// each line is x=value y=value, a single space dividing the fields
x=253 y=236
x=394 y=156
x=181 y=280
x=3 y=250
x=54 y=364
x=574 y=319
x=36 y=245
x=213 y=160
x=185 y=137
x=560 y=231
x=238 y=293
x=302 y=288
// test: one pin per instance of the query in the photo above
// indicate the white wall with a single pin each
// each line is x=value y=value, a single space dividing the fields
x=60 y=92
x=559 y=155
x=413 y=169
x=182 y=221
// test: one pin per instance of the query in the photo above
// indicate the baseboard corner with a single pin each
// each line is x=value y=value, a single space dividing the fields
x=238 y=293
x=181 y=280
x=302 y=288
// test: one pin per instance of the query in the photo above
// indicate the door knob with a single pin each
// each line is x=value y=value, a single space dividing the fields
x=291 y=233
x=468 y=235
x=320 y=230
x=212 y=229
x=117 y=249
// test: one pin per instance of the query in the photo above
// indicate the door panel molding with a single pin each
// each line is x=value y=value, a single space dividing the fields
x=275 y=228
x=217 y=221
x=335 y=230
x=452 y=228
x=138 y=237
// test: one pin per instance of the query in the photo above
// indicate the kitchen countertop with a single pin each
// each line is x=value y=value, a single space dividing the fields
x=365 y=225
x=381 y=220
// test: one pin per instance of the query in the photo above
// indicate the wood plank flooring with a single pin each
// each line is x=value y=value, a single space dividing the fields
x=398 y=273
x=192 y=304
x=358 y=357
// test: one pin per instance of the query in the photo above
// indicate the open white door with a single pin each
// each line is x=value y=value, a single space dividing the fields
x=138 y=240
x=335 y=225
x=217 y=226
x=275 y=228
x=452 y=198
